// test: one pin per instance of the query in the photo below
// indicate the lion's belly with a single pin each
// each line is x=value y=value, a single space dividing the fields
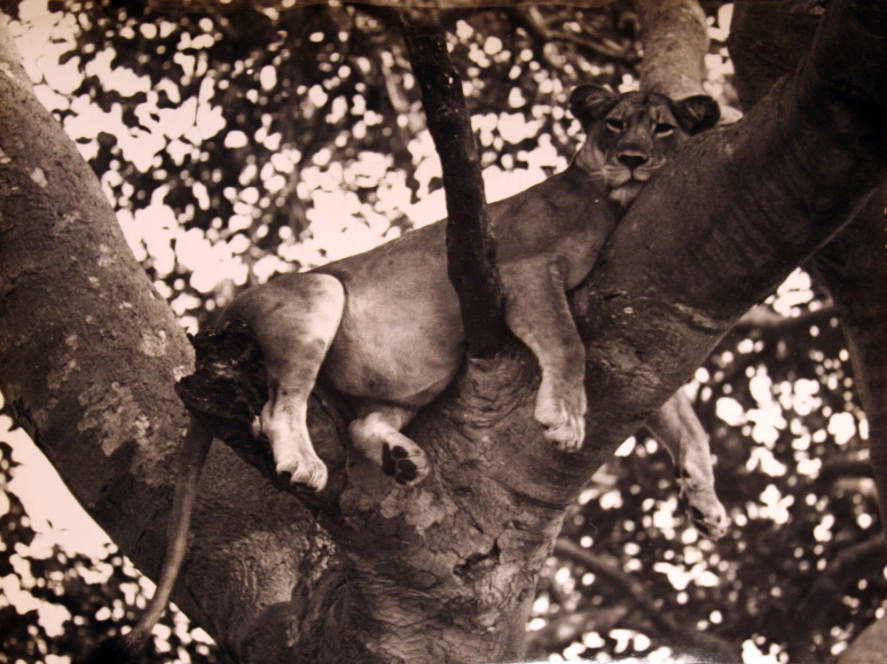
x=400 y=366
x=401 y=338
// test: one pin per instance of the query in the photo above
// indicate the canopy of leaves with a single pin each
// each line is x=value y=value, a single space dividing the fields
x=238 y=144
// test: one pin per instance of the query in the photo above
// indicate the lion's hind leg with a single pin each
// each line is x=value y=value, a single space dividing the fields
x=294 y=319
x=676 y=426
x=377 y=435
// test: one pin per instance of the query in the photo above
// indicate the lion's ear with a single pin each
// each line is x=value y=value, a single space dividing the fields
x=697 y=113
x=590 y=103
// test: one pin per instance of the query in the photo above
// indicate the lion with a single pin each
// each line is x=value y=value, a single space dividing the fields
x=384 y=330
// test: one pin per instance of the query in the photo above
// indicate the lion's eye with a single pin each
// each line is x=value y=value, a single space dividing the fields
x=614 y=125
x=663 y=129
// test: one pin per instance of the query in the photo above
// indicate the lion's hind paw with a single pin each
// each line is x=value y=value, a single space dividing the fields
x=406 y=466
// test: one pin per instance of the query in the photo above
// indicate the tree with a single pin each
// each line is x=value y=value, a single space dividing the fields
x=445 y=572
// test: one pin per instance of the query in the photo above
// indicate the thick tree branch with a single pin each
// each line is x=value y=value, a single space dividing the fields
x=766 y=41
x=90 y=356
x=675 y=41
x=471 y=245
x=684 y=265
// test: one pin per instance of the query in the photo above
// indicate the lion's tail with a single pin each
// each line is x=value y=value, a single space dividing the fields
x=127 y=648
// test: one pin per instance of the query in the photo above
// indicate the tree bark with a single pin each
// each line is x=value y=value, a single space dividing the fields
x=444 y=571
x=675 y=40
x=90 y=355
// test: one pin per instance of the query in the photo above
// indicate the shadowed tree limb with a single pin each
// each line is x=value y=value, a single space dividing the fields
x=471 y=245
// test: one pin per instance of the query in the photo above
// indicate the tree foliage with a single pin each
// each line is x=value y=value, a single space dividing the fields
x=238 y=144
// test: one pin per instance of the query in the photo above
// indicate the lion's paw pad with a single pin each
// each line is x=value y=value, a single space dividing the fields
x=405 y=466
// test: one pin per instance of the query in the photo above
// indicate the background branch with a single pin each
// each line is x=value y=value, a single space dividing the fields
x=532 y=19
x=675 y=41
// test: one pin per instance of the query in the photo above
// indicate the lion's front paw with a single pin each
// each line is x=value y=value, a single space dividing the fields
x=303 y=470
x=562 y=413
x=703 y=507
x=712 y=523
x=406 y=464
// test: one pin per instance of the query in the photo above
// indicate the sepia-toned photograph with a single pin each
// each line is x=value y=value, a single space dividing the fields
x=443 y=331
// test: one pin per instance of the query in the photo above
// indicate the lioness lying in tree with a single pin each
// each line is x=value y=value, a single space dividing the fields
x=384 y=328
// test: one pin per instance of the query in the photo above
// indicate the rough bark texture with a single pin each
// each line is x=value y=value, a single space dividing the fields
x=90 y=355
x=445 y=571
x=471 y=246
x=674 y=38
x=767 y=40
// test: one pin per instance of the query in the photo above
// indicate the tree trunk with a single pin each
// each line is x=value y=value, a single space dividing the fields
x=445 y=571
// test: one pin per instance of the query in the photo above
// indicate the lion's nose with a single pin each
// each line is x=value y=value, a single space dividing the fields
x=632 y=159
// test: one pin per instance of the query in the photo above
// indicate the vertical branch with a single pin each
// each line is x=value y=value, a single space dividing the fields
x=471 y=246
x=675 y=41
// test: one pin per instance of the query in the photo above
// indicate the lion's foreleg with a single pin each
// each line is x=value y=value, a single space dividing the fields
x=537 y=312
x=676 y=426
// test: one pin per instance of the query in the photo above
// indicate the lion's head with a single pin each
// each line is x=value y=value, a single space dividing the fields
x=629 y=136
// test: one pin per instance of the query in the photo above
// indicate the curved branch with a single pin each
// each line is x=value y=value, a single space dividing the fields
x=471 y=245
